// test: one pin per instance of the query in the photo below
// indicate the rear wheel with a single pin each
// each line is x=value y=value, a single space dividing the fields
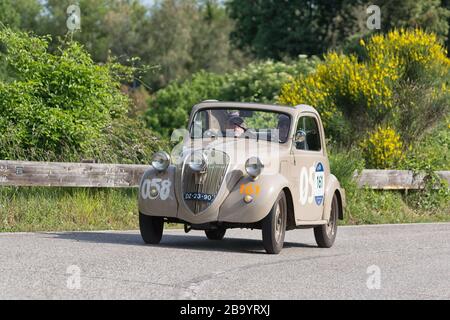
x=151 y=228
x=215 y=234
x=326 y=234
x=274 y=226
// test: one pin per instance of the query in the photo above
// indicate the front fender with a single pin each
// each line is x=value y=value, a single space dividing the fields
x=165 y=203
x=235 y=210
x=333 y=185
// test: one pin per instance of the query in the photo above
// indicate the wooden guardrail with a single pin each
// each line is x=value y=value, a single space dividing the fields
x=394 y=179
x=54 y=174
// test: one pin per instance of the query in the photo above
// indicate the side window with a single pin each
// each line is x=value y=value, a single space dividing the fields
x=200 y=124
x=307 y=136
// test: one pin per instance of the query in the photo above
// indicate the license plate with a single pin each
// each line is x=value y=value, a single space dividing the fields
x=198 y=196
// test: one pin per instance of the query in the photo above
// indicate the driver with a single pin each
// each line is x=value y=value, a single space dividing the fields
x=283 y=127
x=236 y=125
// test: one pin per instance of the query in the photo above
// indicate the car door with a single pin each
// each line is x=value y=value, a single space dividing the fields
x=310 y=167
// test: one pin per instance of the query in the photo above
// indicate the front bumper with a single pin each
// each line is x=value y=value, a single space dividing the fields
x=228 y=207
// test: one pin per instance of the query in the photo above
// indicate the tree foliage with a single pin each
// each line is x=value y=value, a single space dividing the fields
x=21 y=14
x=429 y=15
x=188 y=36
x=275 y=29
x=172 y=38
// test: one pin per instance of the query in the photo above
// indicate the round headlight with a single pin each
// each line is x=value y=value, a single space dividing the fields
x=254 y=167
x=161 y=161
x=198 y=162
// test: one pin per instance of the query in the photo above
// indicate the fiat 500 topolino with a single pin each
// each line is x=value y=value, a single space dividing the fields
x=244 y=165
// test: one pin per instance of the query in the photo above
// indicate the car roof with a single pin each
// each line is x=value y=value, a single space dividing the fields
x=293 y=111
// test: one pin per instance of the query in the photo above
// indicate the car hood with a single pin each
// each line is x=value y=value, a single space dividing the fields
x=239 y=150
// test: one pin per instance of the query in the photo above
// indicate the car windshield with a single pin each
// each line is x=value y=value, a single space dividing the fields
x=241 y=123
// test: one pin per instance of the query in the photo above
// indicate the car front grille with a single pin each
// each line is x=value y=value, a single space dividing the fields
x=208 y=182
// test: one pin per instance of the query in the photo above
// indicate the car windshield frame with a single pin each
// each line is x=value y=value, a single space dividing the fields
x=231 y=108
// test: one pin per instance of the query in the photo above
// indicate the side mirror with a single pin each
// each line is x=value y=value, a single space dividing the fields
x=300 y=139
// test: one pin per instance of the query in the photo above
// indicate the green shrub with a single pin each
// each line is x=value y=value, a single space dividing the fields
x=435 y=197
x=126 y=141
x=418 y=108
x=430 y=152
x=56 y=100
x=344 y=164
x=259 y=82
x=62 y=106
x=171 y=106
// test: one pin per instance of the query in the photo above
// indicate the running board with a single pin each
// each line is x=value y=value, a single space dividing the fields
x=310 y=223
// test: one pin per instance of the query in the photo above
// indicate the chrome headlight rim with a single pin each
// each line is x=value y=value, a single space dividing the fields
x=254 y=167
x=161 y=161
x=198 y=166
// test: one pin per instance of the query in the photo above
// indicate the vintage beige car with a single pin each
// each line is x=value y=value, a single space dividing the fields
x=244 y=165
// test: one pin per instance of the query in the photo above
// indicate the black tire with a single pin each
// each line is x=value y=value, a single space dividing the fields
x=151 y=228
x=215 y=234
x=326 y=234
x=274 y=226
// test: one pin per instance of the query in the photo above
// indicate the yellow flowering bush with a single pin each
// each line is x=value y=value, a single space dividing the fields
x=413 y=53
x=360 y=94
x=341 y=84
x=383 y=149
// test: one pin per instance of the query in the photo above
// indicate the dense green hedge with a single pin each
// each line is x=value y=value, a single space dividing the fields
x=62 y=106
x=259 y=82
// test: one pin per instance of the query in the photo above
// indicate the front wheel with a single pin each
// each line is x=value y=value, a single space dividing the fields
x=274 y=226
x=151 y=228
x=215 y=234
x=326 y=234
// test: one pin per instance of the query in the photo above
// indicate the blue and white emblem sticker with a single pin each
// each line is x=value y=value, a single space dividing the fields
x=319 y=184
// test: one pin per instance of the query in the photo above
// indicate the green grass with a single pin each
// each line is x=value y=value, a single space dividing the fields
x=385 y=207
x=57 y=209
x=78 y=209
x=389 y=207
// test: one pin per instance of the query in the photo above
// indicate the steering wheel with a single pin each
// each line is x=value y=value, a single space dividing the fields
x=212 y=133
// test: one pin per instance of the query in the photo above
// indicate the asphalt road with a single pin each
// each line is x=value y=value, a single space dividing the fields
x=373 y=262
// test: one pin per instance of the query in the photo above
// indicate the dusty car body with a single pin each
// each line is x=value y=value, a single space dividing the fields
x=274 y=179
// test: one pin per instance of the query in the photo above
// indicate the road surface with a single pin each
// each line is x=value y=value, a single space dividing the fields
x=367 y=262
